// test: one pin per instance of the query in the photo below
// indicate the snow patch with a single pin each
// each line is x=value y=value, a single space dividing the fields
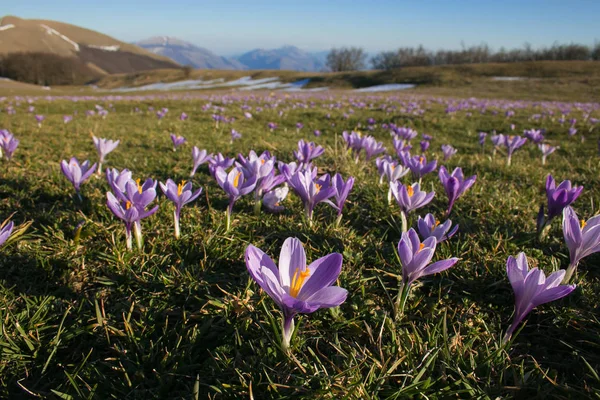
x=51 y=31
x=387 y=87
x=105 y=48
x=508 y=78
x=244 y=83
x=6 y=27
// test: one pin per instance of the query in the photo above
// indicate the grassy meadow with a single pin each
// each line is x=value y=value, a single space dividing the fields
x=82 y=317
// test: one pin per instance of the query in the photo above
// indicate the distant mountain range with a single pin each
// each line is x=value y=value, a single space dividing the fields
x=283 y=58
x=101 y=53
x=185 y=53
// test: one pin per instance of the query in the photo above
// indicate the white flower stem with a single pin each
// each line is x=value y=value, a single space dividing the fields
x=137 y=231
x=176 y=220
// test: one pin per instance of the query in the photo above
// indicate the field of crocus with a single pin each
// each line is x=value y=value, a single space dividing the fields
x=298 y=246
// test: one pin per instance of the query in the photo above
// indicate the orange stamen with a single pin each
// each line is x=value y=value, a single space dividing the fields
x=318 y=187
x=139 y=186
x=297 y=281
x=128 y=205
x=236 y=180
x=180 y=188
x=410 y=191
x=583 y=223
x=421 y=247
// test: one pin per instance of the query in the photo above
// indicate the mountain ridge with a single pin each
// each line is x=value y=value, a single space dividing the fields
x=287 y=57
x=186 y=53
x=102 y=53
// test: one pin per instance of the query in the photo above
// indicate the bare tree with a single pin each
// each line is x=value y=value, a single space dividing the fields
x=346 y=59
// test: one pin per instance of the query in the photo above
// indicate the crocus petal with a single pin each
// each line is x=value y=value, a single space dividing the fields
x=292 y=257
x=256 y=259
x=323 y=273
x=331 y=296
x=552 y=294
x=439 y=266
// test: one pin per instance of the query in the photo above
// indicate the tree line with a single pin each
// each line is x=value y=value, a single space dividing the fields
x=355 y=58
x=44 y=69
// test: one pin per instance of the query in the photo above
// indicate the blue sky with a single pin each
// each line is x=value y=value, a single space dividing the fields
x=230 y=27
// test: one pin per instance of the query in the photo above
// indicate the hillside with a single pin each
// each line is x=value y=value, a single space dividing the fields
x=185 y=53
x=102 y=53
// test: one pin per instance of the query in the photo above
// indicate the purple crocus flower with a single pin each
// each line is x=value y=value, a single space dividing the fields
x=419 y=166
x=427 y=137
x=498 y=141
x=380 y=163
x=299 y=125
x=372 y=147
x=235 y=135
x=8 y=143
x=582 y=238
x=5 y=232
x=392 y=172
x=67 y=118
x=448 y=151
x=410 y=198
x=272 y=126
x=307 y=151
x=200 y=157
x=272 y=200
x=130 y=205
x=117 y=180
x=317 y=133
x=236 y=185
x=77 y=173
x=532 y=288
x=546 y=150
x=572 y=131
x=534 y=135
x=295 y=287
x=454 y=184
x=180 y=194
x=353 y=142
x=405 y=133
x=424 y=145
x=311 y=192
x=219 y=161
x=342 y=190
x=415 y=259
x=512 y=144
x=402 y=150
x=560 y=197
x=183 y=117
x=429 y=226
x=265 y=185
x=262 y=168
x=103 y=147
x=177 y=141
x=289 y=169
x=39 y=119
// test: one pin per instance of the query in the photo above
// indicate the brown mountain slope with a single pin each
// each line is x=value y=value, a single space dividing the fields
x=101 y=52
